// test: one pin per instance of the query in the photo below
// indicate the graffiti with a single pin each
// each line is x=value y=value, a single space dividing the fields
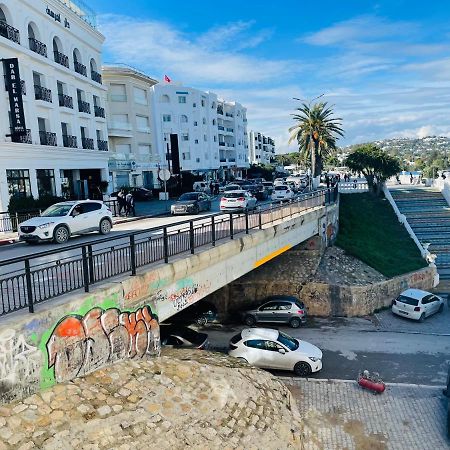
x=19 y=362
x=79 y=345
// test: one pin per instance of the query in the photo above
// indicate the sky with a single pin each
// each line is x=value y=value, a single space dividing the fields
x=383 y=65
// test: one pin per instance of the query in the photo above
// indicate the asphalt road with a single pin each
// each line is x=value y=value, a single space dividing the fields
x=351 y=345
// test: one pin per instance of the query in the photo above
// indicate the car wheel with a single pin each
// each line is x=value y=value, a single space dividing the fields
x=422 y=318
x=302 y=369
x=196 y=209
x=441 y=308
x=295 y=323
x=202 y=321
x=242 y=360
x=61 y=234
x=105 y=226
x=250 y=320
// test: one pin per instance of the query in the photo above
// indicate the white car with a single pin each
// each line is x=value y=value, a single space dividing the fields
x=282 y=192
x=416 y=304
x=279 y=181
x=61 y=220
x=233 y=200
x=272 y=349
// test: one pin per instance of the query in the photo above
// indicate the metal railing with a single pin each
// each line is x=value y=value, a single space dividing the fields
x=35 y=278
x=9 y=222
x=37 y=46
x=47 y=138
x=99 y=111
x=61 y=58
x=95 y=76
x=80 y=68
x=70 y=141
x=22 y=139
x=65 y=101
x=42 y=93
x=102 y=145
x=84 y=107
x=87 y=143
x=9 y=32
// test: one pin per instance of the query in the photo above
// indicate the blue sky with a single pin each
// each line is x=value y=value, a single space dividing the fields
x=384 y=65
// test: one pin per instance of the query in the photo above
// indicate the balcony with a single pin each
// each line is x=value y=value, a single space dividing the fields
x=62 y=59
x=9 y=32
x=80 y=68
x=222 y=144
x=47 y=138
x=95 y=76
x=102 y=145
x=99 y=111
x=87 y=143
x=65 y=101
x=230 y=130
x=221 y=128
x=229 y=115
x=22 y=85
x=120 y=129
x=84 y=107
x=70 y=141
x=38 y=47
x=42 y=93
x=23 y=139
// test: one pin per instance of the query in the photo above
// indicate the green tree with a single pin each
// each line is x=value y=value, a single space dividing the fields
x=316 y=131
x=375 y=164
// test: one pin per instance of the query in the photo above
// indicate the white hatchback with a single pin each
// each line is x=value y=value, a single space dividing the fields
x=61 y=220
x=272 y=349
x=237 y=200
x=282 y=192
x=416 y=304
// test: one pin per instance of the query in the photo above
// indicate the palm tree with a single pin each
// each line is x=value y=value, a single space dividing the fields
x=316 y=131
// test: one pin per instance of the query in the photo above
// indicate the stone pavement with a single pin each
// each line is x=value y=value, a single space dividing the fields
x=340 y=415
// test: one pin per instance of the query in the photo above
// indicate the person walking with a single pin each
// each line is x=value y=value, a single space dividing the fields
x=411 y=178
x=121 y=201
x=130 y=205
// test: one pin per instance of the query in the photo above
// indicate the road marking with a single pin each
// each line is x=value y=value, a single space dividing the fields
x=272 y=255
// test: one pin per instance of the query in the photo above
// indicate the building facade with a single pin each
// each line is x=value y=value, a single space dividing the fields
x=64 y=150
x=261 y=149
x=133 y=159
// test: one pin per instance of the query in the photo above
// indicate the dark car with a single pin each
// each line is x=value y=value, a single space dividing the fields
x=191 y=203
x=139 y=193
x=200 y=313
x=177 y=336
x=257 y=190
x=277 y=309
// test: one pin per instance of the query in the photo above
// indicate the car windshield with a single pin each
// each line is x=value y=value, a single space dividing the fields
x=57 y=210
x=190 y=196
x=234 y=195
x=408 y=300
x=232 y=187
x=288 y=341
x=281 y=188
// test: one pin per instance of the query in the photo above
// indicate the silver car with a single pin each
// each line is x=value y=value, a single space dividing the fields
x=278 y=309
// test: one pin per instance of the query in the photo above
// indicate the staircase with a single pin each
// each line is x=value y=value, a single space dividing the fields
x=428 y=214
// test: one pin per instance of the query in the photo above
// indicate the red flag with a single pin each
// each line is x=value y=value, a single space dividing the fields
x=167 y=79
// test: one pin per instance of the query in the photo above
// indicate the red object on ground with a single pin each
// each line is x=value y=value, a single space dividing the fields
x=378 y=387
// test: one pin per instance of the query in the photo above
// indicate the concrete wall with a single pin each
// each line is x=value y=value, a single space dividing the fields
x=76 y=334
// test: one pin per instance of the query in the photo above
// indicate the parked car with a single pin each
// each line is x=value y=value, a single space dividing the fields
x=277 y=309
x=269 y=186
x=417 y=304
x=232 y=187
x=200 y=313
x=257 y=190
x=62 y=220
x=177 y=336
x=279 y=181
x=191 y=203
x=282 y=192
x=237 y=200
x=272 y=349
x=139 y=193
x=201 y=186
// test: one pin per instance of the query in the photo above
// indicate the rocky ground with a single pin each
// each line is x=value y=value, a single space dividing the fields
x=185 y=399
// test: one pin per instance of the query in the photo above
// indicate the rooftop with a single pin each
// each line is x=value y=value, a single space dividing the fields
x=82 y=10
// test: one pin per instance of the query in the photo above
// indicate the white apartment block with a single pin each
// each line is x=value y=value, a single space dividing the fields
x=133 y=159
x=261 y=149
x=65 y=149
x=210 y=132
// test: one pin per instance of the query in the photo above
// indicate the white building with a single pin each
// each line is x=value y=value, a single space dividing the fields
x=209 y=132
x=65 y=149
x=133 y=159
x=261 y=148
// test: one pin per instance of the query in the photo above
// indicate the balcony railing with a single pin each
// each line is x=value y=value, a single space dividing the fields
x=80 y=68
x=229 y=115
x=102 y=145
x=230 y=130
x=22 y=85
x=38 y=47
x=69 y=141
x=65 y=101
x=95 y=76
x=99 y=111
x=47 y=138
x=62 y=59
x=9 y=32
x=87 y=143
x=222 y=144
x=220 y=127
x=42 y=93
x=84 y=107
x=23 y=139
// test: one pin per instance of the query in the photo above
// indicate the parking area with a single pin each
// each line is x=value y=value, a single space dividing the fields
x=340 y=415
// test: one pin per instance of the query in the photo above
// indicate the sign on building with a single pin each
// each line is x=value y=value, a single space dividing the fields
x=12 y=77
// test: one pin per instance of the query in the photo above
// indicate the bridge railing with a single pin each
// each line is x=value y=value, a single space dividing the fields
x=32 y=279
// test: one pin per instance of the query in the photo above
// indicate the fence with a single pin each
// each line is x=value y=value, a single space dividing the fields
x=42 y=276
x=353 y=187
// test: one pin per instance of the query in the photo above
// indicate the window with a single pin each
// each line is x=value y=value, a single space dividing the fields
x=142 y=123
x=255 y=343
x=214 y=121
x=204 y=121
x=124 y=149
x=284 y=305
x=272 y=306
x=165 y=98
x=19 y=183
x=215 y=138
x=197 y=160
x=120 y=121
x=181 y=99
x=90 y=207
x=194 y=105
x=186 y=156
x=195 y=123
x=167 y=118
x=118 y=92
x=185 y=137
x=203 y=102
x=184 y=119
x=145 y=149
x=196 y=141
x=140 y=96
x=205 y=138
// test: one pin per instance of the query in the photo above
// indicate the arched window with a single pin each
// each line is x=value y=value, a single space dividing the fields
x=77 y=63
x=95 y=75
x=2 y=16
x=33 y=40
x=184 y=119
x=6 y=30
x=165 y=98
x=58 y=53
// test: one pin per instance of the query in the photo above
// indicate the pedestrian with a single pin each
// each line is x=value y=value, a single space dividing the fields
x=216 y=188
x=411 y=178
x=327 y=181
x=122 y=201
x=130 y=205
x=211 y=188
x=355 y=181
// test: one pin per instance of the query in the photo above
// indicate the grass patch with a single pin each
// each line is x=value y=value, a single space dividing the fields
x=370 y=231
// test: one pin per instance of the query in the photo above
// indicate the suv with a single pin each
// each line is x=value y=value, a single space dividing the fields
x=61 y=220
x=277 y=309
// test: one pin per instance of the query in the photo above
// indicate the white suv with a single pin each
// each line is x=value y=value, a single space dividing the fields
x=61 y=220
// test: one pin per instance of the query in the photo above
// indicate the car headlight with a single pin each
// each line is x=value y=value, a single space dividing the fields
x=45 y=225
x=314 y=359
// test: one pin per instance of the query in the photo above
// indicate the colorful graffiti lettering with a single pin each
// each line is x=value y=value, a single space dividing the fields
x=79 y=345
